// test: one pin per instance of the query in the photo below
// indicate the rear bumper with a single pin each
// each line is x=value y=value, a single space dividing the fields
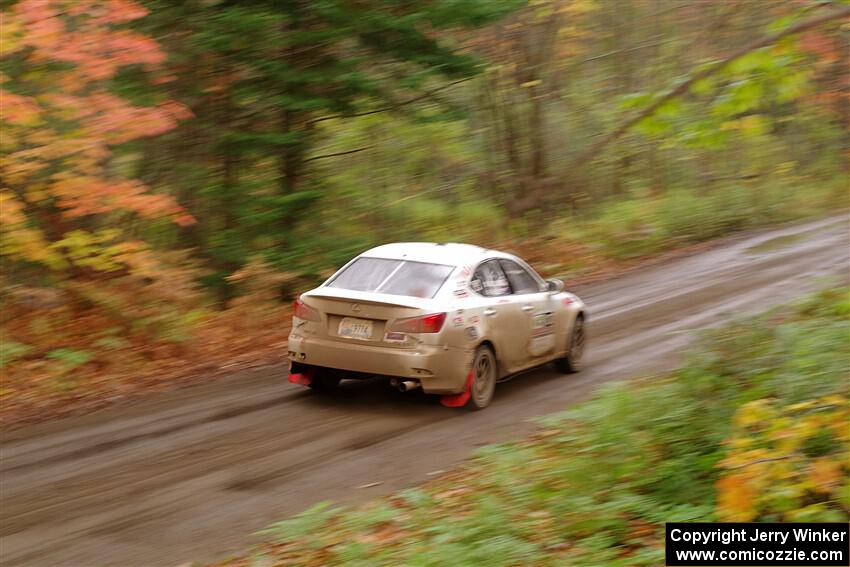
x=441 y=370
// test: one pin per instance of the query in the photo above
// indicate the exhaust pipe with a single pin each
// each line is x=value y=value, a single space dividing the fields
x=408 y=385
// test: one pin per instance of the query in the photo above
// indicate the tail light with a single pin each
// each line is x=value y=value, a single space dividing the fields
x=425 y=324
x=304 y=311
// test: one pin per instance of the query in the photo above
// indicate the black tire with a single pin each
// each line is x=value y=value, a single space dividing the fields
x=484 y=375
x=571 y=363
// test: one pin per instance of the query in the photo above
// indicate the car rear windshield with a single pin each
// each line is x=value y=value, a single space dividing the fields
x=397 y=277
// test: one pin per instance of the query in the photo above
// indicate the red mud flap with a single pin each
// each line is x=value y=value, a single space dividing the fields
x=458 y=400
x=303 y=379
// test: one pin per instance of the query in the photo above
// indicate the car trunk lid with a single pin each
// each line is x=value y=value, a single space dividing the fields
x=364 y=317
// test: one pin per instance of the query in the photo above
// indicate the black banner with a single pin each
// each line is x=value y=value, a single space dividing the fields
x=762 y=545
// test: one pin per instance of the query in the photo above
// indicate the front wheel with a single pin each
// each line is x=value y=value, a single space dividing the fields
x=571 y=362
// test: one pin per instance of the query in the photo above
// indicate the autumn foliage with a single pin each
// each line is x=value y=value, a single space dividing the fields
x=60 y=123
x=89 y=308
x=787 y=464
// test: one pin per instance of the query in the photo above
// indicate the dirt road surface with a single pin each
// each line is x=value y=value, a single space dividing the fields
x=190 y=474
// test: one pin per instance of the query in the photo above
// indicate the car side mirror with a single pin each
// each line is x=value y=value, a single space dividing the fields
x=555 y=285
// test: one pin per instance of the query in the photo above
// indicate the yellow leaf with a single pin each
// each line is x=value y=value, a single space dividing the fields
x=825 y=474
x=752 y=413
x=752 y=125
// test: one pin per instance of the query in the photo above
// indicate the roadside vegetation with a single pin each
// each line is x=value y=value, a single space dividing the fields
x=753 y=427
x=167 y=186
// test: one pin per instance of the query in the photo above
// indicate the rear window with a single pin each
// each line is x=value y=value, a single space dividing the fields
x=397 y=277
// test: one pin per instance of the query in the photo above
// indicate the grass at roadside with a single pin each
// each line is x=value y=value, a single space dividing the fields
x=754 y=427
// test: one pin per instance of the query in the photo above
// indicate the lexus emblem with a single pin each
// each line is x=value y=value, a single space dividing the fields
x=355 y=307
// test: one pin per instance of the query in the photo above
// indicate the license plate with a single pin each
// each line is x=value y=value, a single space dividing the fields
x=352 y=328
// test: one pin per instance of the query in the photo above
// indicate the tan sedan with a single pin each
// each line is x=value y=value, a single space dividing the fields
x=452 y=319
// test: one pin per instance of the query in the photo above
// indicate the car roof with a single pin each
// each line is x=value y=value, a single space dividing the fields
x=450 y=253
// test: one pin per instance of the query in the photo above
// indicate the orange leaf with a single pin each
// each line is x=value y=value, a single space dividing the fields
x=736 y=498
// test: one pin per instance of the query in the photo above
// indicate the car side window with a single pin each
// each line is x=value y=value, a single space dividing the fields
x=519 y=278
x=489 y=280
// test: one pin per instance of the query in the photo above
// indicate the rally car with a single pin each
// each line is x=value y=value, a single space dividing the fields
x=452 y=319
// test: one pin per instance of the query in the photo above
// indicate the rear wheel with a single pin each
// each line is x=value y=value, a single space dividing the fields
x=571 y=362
x=483 y=379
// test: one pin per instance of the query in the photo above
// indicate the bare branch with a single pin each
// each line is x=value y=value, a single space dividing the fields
x=626 y=50
x=424 y=95
x=337 y=154
x=761 y=461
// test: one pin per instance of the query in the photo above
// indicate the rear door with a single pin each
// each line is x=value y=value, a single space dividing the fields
x=536 y=303
x=506 y=323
